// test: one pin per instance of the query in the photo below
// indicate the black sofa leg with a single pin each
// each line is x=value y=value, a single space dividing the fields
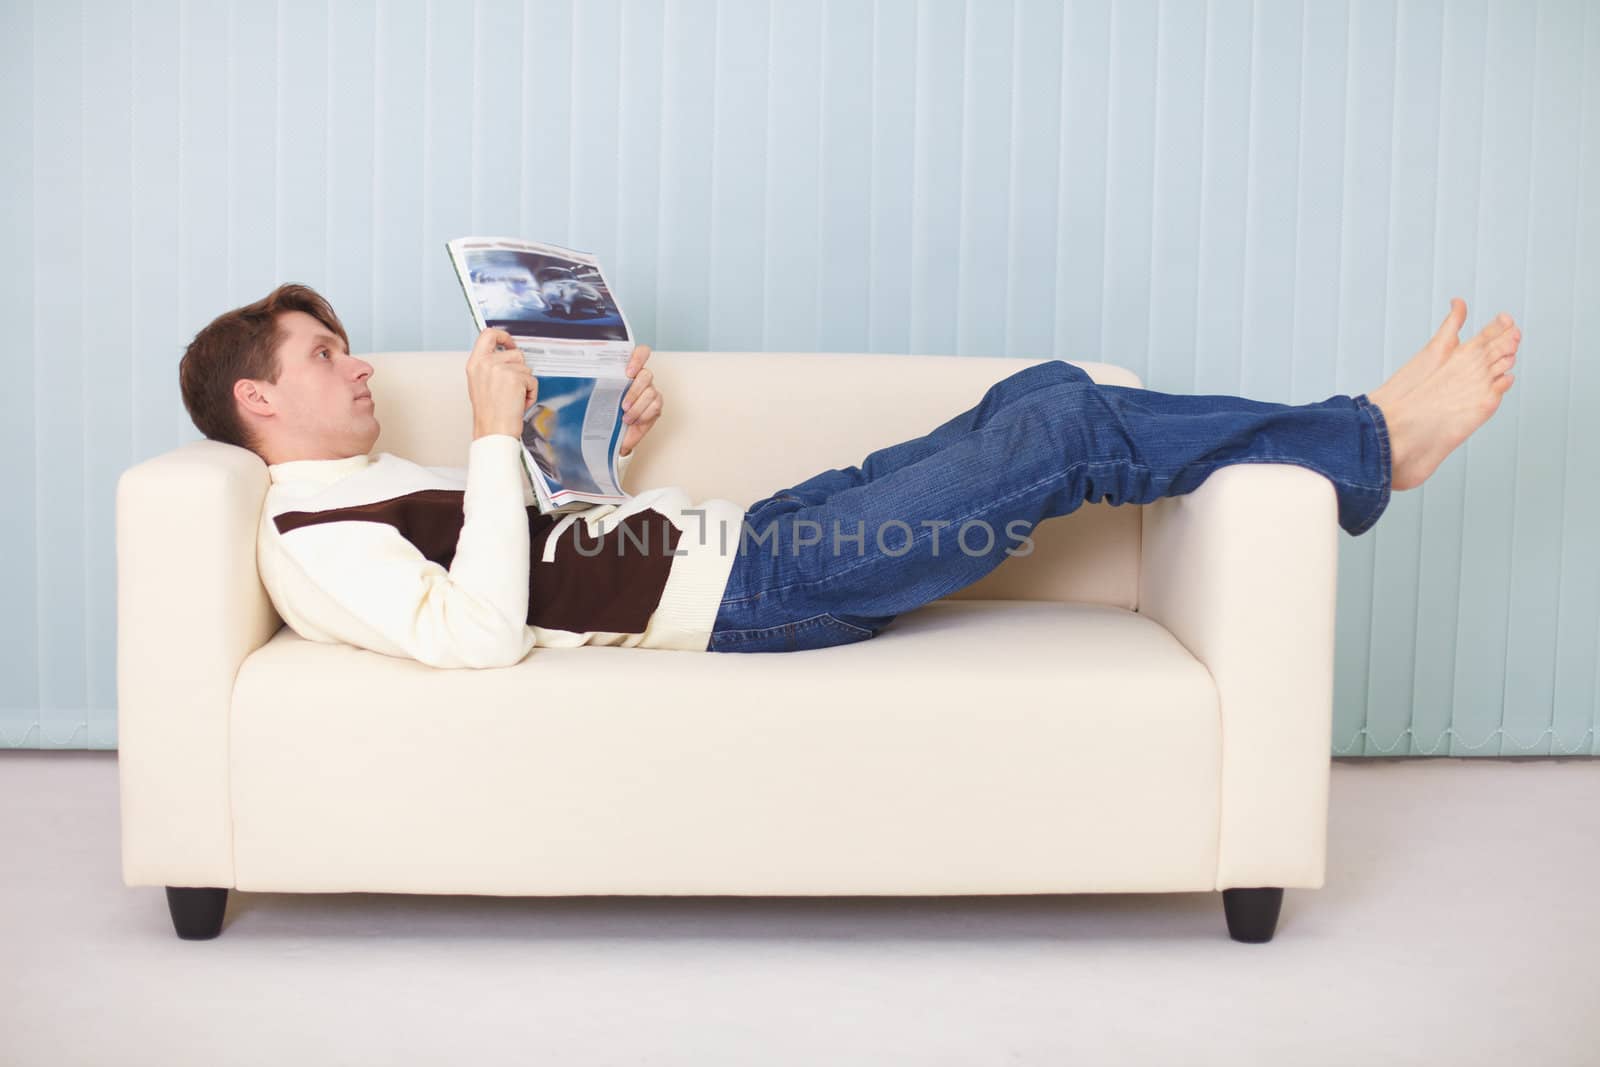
x=1252 y=913
x=196 y=911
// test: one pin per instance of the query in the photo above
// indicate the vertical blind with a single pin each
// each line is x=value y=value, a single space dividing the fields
x=1271 y=199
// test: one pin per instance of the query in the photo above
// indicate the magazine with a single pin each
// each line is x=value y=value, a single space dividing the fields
x=555 y=302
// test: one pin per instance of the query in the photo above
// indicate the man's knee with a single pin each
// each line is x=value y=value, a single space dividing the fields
x=1061 y=370
x=1050 y=372
x=1038 y=383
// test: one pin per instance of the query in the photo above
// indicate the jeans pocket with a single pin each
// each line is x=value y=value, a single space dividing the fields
x=819 y=631
x=849 y=630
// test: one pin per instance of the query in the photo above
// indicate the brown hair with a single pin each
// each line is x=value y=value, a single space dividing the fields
x=243 y=343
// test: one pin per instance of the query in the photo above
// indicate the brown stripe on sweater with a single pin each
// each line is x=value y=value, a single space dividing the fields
x=611 y=584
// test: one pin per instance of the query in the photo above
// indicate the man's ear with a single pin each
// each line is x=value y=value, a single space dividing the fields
x=247 y=391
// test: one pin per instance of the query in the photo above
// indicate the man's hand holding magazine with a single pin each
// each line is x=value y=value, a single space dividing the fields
x=501 y=386
x=642 y=405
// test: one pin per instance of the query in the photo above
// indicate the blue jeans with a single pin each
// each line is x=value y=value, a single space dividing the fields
x=834 y=559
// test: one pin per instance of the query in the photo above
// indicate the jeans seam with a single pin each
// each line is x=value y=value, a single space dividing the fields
x=1380 y=427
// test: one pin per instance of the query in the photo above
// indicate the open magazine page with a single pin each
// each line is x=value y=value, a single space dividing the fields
x=575 y=339
x=572 y=433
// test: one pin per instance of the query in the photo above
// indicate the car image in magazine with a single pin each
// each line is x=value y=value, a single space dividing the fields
x=574 y=338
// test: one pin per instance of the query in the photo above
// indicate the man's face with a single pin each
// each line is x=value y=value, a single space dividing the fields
x=320 y=407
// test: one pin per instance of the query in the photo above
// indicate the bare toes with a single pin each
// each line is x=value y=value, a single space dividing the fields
x=1500 y=325
x=1506 y=342
x=1489 y=351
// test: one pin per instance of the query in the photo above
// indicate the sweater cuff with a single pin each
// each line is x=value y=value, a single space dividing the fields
x=494 y=469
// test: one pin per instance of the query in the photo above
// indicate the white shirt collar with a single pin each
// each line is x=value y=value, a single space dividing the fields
x=317 y=471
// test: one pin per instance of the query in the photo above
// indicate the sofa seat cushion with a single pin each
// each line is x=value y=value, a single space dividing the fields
x=974 y=746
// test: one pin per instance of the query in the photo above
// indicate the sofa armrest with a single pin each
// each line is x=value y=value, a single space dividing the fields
x=190 y=608
x=1243 y=571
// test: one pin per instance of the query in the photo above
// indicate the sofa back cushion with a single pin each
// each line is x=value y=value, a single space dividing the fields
x=743 y=425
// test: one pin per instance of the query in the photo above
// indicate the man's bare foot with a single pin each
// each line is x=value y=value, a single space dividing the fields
x=1433 y=355
x=1436 y=401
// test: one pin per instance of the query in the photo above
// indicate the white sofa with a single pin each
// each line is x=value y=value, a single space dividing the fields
x=1143 y=705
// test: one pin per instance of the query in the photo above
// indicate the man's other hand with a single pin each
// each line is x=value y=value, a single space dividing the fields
x=641 y=405
x=499 y=384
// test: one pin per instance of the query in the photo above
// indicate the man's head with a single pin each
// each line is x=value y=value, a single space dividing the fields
x=277 y=377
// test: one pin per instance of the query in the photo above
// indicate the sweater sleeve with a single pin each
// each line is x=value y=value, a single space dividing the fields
x=364 y=584
x=622 y=468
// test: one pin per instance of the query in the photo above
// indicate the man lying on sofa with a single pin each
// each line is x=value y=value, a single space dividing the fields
x=457 y=567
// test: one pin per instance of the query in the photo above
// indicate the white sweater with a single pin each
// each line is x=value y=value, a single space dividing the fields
x=437 y=563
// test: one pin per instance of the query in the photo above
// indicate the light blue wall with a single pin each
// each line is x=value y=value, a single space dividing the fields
x=1276 y=200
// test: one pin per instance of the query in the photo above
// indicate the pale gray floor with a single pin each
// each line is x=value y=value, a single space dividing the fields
x=1459 y=925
